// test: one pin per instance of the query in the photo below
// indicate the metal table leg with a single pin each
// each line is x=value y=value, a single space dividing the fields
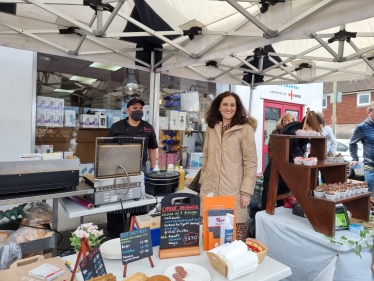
x=55 y=224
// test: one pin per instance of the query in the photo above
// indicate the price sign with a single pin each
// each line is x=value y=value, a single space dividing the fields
x=180 y=223
x=92 y=266
x=136 y=245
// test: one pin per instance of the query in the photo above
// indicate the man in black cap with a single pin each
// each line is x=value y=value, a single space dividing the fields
x=132 y=126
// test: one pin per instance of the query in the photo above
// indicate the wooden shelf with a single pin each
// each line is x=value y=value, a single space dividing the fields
x=302 y=179
x=343 y=199
x=320 y=163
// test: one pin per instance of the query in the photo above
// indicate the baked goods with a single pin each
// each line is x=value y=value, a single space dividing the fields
x=106 y=277
x=139 y=276
x=159 y=278
x=38 y=213
x=4 y=235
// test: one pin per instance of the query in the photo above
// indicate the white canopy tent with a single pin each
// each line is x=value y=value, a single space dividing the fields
x=224 y=33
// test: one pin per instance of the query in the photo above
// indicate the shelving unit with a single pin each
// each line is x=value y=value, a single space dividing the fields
x=302 y=180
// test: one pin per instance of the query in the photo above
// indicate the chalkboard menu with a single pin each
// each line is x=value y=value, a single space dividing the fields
x=93 y=266
x=136 y=245
x=180 y=223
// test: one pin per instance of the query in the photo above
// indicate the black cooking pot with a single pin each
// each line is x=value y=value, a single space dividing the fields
x=161 y=183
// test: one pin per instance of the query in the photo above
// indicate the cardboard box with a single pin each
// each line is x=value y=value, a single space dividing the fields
x=70 y=118
x=40 y=117
x=83 y=170
x=50 y=107
x=41 y=103
x=101 y=120
x=58 y=119
x=68 y=153
x=49 y=117
x=173 y=119
x=59 y=105
x=38 y=149
x=164 y=123
x=19 y=270
x=47 y=148
x=90 y=168
x=182 y=120
x=195 y=160
x=94 y=121
x=84 y=120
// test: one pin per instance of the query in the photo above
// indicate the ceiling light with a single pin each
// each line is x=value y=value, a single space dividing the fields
x=83 y=79
x=105 y=66
x=63 y=91
x=130 y=86
x=47 y=58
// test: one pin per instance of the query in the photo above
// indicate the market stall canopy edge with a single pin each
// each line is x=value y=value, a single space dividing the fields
x=202 y=39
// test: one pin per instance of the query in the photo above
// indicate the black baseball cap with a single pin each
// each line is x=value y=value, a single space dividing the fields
x=134 y=101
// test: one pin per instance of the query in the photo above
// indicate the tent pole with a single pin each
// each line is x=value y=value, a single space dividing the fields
x=334 y=94
x=156 y=126
x=152 y=90
x=251 y=95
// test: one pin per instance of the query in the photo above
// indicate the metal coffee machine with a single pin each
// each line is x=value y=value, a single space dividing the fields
x=118 y=175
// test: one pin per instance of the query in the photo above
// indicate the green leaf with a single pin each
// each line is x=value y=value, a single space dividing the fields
x=343 y=238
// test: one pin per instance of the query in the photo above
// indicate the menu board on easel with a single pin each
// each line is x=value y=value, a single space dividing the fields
x=136 y=245
x=93 y=265
x=180 y=225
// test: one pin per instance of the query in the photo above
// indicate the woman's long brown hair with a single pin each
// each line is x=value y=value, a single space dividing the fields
x=213 y=115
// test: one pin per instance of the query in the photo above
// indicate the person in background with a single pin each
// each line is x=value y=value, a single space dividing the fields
x=132 y=126
x=229 y=156
x=364 y=132
x=297 y=149
x=288 y=117
x=327 y=132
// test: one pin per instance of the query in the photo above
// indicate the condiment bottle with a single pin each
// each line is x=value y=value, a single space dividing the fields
x=182 y=174
x=227 y=230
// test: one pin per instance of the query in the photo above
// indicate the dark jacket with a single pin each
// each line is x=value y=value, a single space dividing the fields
x=364 y=132
x=297 y=146
x=276 y=131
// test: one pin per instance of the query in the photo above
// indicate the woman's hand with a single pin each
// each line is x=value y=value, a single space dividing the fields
x=244 y=201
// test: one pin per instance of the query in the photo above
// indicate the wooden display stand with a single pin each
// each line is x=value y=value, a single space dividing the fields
x=302 y=180
x=85 y=247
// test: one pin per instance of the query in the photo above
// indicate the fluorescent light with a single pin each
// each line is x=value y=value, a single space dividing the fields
x=105 y=66
x=63 y=91
x=83 y=79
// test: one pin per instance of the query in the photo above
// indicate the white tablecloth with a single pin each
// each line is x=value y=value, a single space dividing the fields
x=268 y=270
x=292 y=241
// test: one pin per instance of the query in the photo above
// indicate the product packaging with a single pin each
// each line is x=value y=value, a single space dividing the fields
x=173 y=119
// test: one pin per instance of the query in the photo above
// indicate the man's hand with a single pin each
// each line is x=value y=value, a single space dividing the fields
x=244 y=201
x=353 y=163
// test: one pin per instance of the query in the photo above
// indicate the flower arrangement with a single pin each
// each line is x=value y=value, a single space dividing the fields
x=88 y=230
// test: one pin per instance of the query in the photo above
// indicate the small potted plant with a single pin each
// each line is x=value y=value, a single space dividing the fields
x=88 y=230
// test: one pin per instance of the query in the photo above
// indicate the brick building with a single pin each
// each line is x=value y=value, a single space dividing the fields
x=357 y=94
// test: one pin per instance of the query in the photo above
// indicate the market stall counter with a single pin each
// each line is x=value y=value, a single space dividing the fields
x=292 y=240
x=268 y=270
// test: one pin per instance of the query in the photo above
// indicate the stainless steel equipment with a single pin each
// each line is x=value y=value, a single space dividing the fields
x=117 y=171
x=26 y=176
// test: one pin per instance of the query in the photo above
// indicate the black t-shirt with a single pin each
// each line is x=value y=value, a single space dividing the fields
x=145 y=130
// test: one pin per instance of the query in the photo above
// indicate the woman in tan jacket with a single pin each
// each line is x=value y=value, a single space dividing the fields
x=229 y=156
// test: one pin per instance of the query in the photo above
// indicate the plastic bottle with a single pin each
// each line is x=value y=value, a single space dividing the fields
x=182 y=174
x=227 y=230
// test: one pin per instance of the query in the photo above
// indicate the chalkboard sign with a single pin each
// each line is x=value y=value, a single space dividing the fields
x=136 y=245
x=93 y=266
x=180 y=223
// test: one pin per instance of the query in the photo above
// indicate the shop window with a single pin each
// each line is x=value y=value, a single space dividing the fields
x=363 y=99
x=324 y=103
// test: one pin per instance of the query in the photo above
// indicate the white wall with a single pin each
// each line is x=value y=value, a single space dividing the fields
x=17 y=84
x=308 y=95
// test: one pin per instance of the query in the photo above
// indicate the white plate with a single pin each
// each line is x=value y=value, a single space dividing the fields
x=111 y=249
x=194 y=272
